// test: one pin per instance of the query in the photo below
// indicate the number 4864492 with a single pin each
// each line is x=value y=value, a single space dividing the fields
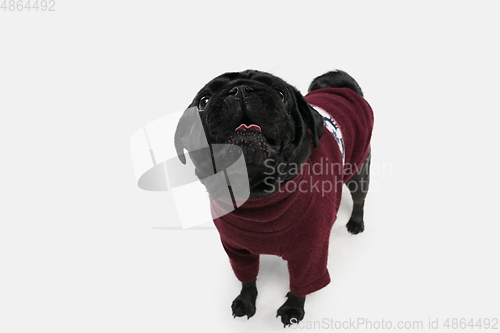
x=28 y=5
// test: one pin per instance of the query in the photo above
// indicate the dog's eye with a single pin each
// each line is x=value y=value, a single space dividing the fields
x=282 y=96
x=203 y=102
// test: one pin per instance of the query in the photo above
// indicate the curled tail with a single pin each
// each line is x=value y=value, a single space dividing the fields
x=335 y=79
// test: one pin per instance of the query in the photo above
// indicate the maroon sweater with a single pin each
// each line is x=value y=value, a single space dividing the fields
x=295 y=221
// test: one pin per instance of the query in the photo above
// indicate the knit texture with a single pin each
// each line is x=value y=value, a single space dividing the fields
x=295 y=221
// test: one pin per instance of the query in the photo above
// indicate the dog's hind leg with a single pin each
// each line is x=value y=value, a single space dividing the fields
x=358 y=185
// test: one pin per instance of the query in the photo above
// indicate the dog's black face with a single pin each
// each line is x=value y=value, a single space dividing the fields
x=264 y=116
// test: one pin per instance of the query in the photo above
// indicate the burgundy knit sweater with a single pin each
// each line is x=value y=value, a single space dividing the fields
x=295 y=221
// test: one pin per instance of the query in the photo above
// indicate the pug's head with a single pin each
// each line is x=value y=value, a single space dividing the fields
x=255 y=114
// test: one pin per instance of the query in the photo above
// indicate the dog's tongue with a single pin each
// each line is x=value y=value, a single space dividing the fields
x=248 y=127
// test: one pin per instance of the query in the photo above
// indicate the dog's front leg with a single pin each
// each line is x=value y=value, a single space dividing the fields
x=292 y=311
x=244 y=304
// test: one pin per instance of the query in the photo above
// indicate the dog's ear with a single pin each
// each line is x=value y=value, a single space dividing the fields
x=182 y=130
x=189 y=133
x=311 y=117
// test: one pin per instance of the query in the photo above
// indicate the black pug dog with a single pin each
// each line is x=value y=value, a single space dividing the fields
x=298 y=151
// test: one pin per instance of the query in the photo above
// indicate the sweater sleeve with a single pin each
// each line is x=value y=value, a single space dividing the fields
x=245 y=264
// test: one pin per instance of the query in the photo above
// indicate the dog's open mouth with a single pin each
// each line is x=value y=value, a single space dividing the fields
x=251 y=127
x=252 y=141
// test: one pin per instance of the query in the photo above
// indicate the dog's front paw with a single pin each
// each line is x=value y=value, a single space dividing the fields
x=355 y=227
x=244 y=304
x=292 y=311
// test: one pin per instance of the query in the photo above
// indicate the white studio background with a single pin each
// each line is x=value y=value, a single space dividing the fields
x=83 y=249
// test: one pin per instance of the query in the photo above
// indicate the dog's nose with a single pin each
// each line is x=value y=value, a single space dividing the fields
x=243 y=90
